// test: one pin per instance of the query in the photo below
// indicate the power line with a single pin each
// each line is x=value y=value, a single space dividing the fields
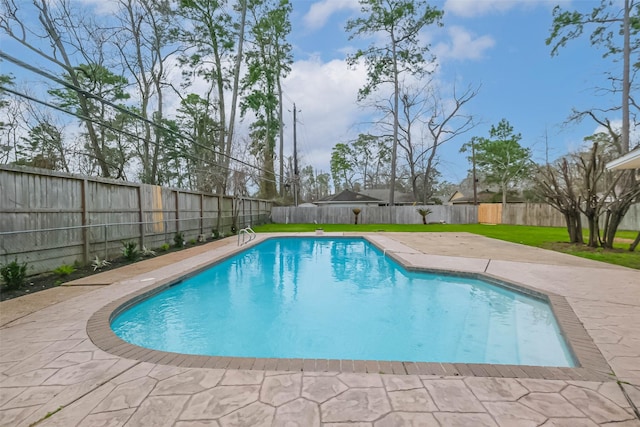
x=106 y=125
x=122 y=110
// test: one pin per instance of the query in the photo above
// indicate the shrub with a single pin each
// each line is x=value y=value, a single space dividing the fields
x=215 y=233
x=165 y=247
x=14 y=274
x=356 y=212
x=178 y=239
x=423 y=213
x=148 y=252
x=193 y=241
x=64 y=270
x=130 y=250
x=98 y=263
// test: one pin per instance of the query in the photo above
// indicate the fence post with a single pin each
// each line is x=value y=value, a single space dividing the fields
x=85 y=222
x=141 y=215
x=201 y=213
x=177 y=211
x=106 y=244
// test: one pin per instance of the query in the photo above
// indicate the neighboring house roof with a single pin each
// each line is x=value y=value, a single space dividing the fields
x=348 y=196
x=631 y=160
x=485 y=196
x=383 y=195
x=455 y=196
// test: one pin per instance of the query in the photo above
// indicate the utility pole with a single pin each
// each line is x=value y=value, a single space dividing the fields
x=295 y=159
x=475 y=181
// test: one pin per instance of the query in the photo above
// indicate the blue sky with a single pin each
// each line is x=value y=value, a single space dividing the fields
x=498 y=44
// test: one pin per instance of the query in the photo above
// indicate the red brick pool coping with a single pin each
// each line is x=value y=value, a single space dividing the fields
x=590 y=363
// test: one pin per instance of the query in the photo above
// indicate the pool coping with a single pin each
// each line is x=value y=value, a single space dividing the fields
x=591 y=364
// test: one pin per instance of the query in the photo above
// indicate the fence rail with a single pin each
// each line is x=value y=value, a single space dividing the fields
x=48 y=219
x=459 y=214
x=536 y=214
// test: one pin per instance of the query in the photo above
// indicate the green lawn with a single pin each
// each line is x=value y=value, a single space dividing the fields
x=554 y=238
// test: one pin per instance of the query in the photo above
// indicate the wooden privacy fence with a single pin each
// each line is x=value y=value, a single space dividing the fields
x=543 y=215
x=458 y=214
x=48 y=219
x=490 y=213
x=535 y=214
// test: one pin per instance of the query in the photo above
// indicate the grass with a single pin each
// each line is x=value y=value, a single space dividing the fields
x=554 y=238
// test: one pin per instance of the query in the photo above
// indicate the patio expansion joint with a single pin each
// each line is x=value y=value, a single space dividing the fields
x=582 y=298
x=632 y=404
x=81 y=396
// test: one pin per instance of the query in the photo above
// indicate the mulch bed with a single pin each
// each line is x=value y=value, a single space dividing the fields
x=45 y=281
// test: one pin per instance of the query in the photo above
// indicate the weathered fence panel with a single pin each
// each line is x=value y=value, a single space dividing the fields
x=48 y=218
x=536 y=214
x=458 y=214
x=543 y=215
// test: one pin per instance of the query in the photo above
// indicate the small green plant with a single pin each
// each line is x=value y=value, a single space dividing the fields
x=424 y=212
x=148 y=252
x=193 y=241
x=178 y=239
x=165 y=247
x=356 y=212
x=215 y=233
x=64 y=270
x=130 y=250
x=14 y=274
x=98 y=263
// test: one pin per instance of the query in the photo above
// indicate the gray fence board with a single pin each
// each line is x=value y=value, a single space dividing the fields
x=535 y=214
x=35 y=199
x=451 y=214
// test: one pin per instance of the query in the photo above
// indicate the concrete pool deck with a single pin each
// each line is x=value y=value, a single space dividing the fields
x=50 y=366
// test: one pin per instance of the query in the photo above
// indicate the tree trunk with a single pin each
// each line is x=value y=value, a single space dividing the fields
x=234 y=94
x=593 y=231
x=635 y=243
x=574 y=226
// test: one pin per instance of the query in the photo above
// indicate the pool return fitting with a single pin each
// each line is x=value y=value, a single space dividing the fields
x=248 y=232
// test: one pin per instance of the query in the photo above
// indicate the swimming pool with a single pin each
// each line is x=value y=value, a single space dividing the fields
x=342 y=299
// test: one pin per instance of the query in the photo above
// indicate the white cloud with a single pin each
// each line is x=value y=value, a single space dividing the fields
x=102 y=7
x=463 y=45
x=326 y=93
x=469 y=8
x=475 y=8
x=320 y=12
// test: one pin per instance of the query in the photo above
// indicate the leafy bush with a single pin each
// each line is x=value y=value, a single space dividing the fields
x=356 y=212
x=215 y=233
x=148 y=252
x=98 y=263
x=178 y=239
x=423 y=213
x=165 y=247
x=64 y=270
x=130 y=250
x=193 y=241
x=14 y=274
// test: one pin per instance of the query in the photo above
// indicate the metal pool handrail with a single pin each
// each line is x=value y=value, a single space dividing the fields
x=247 y=231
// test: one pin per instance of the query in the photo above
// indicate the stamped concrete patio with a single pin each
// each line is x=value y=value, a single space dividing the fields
x=53 y=374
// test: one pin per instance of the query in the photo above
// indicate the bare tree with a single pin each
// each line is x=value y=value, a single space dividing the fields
x=66 y=30
x=398 y=24
x=427 y=121
x=142 y=39
x=556 y=183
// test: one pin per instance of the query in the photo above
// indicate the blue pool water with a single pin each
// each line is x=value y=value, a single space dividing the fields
x=325 y=298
